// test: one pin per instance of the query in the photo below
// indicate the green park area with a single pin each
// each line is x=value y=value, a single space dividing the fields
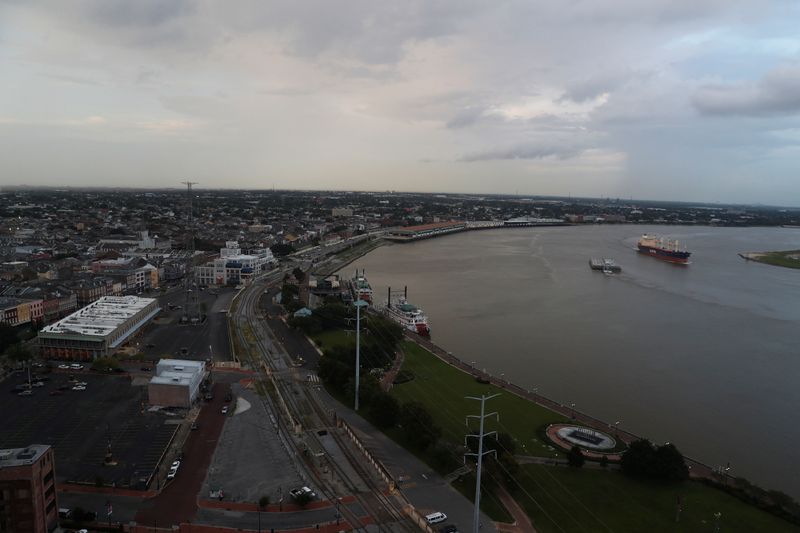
x=788 y=258
x=572 y=499
x=562 y=498
x=426 y=412
x=443 y=389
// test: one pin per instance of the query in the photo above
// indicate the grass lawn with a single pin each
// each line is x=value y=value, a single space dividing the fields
x=442 y=388
x=786 y=259
x=590 y=500
x=580 y=500
x=331 y=338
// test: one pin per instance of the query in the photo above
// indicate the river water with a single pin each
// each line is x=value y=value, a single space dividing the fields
x=706 y=356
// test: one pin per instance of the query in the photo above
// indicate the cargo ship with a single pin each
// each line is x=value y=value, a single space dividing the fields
x=407 y=315
x=360 y=287
x=664 y=249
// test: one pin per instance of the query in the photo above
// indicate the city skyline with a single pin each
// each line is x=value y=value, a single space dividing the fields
x=669 y=100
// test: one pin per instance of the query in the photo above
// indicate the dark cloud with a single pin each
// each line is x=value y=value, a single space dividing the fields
x=778 y=92
x=524 y=152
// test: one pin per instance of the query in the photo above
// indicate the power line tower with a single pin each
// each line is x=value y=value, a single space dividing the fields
x=190 y=311
x=476 y=523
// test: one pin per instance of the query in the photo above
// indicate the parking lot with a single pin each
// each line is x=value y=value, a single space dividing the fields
x=167 y=337
x=80 y=425
x=250 y=460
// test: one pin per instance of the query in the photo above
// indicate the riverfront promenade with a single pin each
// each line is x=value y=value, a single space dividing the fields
x=696 y=468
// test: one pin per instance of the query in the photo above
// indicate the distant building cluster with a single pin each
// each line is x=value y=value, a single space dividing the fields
x=60 y=251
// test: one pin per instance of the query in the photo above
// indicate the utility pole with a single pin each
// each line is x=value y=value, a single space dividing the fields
x=477 y=513
x=359 y=304
x=189 y=309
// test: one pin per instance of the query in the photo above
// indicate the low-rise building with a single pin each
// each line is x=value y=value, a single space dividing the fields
x=28 y=500
x=176 y=383
x=98 y=329
x=19 y=311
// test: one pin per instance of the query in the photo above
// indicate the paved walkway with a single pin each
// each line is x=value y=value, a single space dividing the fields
x=522 y=523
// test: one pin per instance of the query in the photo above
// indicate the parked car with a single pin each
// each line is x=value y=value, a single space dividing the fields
x=63 y=367
x=38 y=384
x=56 y=392
x=76 y=366
x=449 y=528
x=79 y=387
x=301 y=491
x=26 y=392
x=435 y=518
x=225 y=410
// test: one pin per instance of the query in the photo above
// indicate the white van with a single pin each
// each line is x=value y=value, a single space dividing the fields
x=435 y=518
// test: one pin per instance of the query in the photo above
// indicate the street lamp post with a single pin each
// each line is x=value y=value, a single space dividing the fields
x=359 y=304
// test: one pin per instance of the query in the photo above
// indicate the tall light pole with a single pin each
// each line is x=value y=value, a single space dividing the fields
x=359 y=304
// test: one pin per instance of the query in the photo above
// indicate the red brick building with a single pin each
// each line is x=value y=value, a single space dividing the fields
x=28 y=490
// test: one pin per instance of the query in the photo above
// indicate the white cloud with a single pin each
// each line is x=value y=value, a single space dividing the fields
x=337 y=94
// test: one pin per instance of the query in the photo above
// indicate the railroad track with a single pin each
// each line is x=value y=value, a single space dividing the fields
x=302 y=408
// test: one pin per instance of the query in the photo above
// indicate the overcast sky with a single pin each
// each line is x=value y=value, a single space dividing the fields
x=662 y=99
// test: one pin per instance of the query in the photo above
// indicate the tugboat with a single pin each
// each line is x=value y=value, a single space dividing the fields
x=407 y=315
x=607 y=266
x=664 y=249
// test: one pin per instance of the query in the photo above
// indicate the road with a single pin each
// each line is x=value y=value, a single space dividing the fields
x=301 y=418
x=420 y=486
x=177 y=502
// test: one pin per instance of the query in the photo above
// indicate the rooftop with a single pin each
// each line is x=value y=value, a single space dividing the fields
x=22 y=456
x=100 y=318
x=181 y=363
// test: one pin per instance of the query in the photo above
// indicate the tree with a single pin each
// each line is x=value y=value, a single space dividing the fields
x=383 y=409
x=19 y=353
x=644 y=460
x=298 y=274
x=670 y=464
x=105 y=364
x=8 y=337
x=281 y=250
x=263 y=501
x=575 y=457
x=604 y=461
x=637 y=459
x=418 y=425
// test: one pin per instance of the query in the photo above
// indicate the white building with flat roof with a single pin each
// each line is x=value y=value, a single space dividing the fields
x=176 y=383
x=233 y=267
x=98 y=329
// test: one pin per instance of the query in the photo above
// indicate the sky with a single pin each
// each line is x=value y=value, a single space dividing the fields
x=695 y=100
